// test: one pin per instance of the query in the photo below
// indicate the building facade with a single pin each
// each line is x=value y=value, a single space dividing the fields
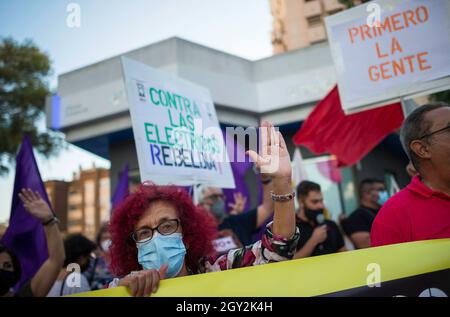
x=300 y=23
x=83 y=204
x=57 y=195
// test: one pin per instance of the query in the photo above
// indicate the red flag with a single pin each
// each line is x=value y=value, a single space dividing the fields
x=349 y=137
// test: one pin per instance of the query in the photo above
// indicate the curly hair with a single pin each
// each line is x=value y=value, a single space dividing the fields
x=198 y=227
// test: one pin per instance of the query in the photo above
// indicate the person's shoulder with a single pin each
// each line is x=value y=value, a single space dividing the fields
x=331 y=223
x=395 y=208
x=300 y=223
x=356 y=214
x=397 y=203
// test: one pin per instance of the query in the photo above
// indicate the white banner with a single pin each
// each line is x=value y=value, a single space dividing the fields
x=388 y=49
x=175 y=126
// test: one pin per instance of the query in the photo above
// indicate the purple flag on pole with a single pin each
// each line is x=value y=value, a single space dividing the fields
x=25 y=235
x=122 y=189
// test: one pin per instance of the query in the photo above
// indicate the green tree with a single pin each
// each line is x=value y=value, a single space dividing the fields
x=24 y=71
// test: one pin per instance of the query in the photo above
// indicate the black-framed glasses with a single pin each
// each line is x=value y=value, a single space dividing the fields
x=165 y=228
x=434 y=132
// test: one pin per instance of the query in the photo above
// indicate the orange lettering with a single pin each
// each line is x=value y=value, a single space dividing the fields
x=379 y=54
x=398 y=67
x=374 y=76
x=395 y=22
x=424 y=10
x=365 y=30
x=352 y=39
x=411 y=65
x=422 y=61
x=384 y=70
x=395 y=46
x=409 y=15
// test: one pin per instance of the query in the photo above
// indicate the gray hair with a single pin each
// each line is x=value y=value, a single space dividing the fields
x=200 y=193
x=415 y=126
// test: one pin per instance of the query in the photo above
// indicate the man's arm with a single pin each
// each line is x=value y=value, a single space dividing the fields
x=361 y=239
x=306 y=250
x=319 y=235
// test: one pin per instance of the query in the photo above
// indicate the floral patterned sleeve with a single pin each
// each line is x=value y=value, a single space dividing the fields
x=271 y=248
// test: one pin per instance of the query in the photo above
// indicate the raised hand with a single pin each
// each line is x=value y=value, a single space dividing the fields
x=35 y=205
x=239 y=203
x=273 y=158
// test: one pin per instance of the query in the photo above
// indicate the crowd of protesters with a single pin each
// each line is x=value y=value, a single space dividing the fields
x=158 y=232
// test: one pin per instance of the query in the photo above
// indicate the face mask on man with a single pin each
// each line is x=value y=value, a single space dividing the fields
x=6 y=281
x=162 y=250
x=314 y=215
x=383 y=197
x=218 y=209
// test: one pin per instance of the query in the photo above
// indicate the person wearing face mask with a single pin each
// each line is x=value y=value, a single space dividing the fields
x=237 y=225
x=357 y=226
x=158 y=232
x=98 y=273
x=318 y=236
x=70 y=280
x=10 y=268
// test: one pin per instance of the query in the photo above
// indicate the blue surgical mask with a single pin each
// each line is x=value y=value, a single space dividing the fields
x=162 y=250
x=383 y=197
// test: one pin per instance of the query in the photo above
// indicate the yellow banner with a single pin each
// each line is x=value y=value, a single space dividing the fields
x=306 y=277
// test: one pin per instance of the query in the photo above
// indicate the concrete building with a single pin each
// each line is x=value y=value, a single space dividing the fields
x=83 y=204
x=92 y=110
x=300 y=23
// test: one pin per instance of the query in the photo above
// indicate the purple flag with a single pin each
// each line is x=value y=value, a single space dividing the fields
x=239 y=169
x=25 y=235
x=122 y=189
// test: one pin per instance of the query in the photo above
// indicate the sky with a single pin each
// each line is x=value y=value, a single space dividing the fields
x=111 y=27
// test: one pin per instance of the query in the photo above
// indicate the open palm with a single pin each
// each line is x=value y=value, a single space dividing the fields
x=35 y=205
x=273 y=158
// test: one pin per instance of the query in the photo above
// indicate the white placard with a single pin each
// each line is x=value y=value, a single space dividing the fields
x=388 y=49
x=224 y=244
x=177 y=134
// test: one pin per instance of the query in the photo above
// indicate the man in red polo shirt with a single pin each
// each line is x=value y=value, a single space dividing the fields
x=421 y=211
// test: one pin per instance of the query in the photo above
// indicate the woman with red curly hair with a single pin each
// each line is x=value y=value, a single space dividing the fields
x=158 y=232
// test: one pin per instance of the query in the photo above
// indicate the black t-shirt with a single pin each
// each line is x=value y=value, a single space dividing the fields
x=359 y=220
x=243 y=225
x=332 y=244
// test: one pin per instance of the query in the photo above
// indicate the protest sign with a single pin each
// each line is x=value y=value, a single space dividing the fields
x=177 y=134
x=390 y=49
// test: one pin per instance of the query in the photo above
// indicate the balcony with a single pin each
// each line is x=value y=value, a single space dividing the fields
x=312 y=8
x=332 y=5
